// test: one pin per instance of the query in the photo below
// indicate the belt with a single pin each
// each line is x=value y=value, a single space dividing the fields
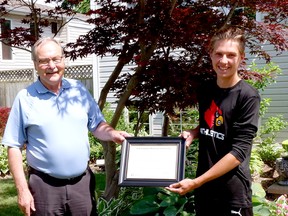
x=52 y=180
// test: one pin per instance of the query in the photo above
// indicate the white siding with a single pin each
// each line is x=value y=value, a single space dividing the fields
x=75 y=28
x=21 y=59
x=106 y=67
x=278 y=92
x=156 y=124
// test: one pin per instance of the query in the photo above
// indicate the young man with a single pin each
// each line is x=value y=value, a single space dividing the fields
x=228 y=122
x=52 y=117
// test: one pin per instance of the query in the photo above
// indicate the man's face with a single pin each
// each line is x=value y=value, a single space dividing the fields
x=226 y=58
x=50 y=65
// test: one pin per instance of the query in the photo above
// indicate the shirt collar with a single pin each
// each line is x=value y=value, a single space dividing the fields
x=41 y=89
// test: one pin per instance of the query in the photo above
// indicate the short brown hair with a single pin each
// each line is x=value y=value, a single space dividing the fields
x=229 y=33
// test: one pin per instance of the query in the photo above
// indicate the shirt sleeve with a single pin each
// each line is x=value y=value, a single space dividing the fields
x=15 y=133
x=95 y=116
x=245 y=127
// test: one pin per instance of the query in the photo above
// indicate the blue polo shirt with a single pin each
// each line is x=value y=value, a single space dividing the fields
x=54 y=127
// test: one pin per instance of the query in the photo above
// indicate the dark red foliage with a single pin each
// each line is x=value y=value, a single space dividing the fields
x=4 y=114
x=39 y=16
x=180 y=35
x=167 y=42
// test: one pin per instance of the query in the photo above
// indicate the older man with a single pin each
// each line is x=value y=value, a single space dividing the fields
x=52 y=117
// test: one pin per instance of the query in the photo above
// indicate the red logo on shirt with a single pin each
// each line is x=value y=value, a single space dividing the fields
x=213 y=115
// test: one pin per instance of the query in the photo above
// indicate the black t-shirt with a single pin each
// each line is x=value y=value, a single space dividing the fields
x=228 y=123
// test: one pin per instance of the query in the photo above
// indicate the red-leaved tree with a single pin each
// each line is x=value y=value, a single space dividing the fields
x=167 y=41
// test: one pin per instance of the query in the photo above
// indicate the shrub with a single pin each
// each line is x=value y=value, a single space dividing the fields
x=263 y=207
x=4 y=114
x=96 y=149
x=120 y=205
x=256 y=163
x=158 y=201
x=4 y=168
x=268 y=149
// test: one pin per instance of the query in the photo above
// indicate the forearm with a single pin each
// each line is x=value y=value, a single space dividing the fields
x=16 y=168
x=105 y=132
x=195 y=132
x=223 y=166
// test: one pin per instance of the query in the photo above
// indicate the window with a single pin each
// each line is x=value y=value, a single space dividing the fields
x=6 y=50
x=54 y=27
x=32 y=29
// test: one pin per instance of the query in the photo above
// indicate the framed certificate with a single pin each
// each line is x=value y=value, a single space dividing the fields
x=152 y=161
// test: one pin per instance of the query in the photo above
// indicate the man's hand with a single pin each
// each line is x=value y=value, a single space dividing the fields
x=190 y=135
x=26 y=202
x=119 y=136
x=106 y=133
x=187 y=135
x=183 y=187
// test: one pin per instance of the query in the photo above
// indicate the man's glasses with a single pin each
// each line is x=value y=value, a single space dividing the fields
x=45 y=62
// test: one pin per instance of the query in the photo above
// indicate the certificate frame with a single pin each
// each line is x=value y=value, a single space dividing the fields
x=152 y=161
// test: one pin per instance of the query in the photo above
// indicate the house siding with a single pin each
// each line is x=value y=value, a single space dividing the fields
x=74 y=29
x=20 y=58
x=277 y=92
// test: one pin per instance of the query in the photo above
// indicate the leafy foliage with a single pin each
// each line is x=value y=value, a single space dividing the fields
x=4 y=168
x=260 y=204
x=256 y=162
x=96 y=148
x=268 y=74
x=120 y=205
x=167 y=42
x=158 y=201
x=4 y=114
x=263 y=207
x=33 y=23
x=268 y=149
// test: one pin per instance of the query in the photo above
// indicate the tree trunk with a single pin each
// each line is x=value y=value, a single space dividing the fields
x=165 y=126
x=111 y=188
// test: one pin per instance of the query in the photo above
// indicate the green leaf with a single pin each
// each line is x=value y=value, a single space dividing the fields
x=169 y=201
x=102 y=204
x=145 y=206
x=181 y=202
x=257 y=190
x=261 y=211
x=151 y=190
x=170 y=211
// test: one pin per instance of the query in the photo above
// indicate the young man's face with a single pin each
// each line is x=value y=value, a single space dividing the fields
x=226 y=59
x=50 y=65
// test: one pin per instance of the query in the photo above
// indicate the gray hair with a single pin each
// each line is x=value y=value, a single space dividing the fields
x=39 y=42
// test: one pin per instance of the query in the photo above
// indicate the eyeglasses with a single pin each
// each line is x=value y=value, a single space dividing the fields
x=45 y=62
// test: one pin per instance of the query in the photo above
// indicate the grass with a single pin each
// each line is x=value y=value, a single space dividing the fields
x=8 y=201
x=8 y=195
